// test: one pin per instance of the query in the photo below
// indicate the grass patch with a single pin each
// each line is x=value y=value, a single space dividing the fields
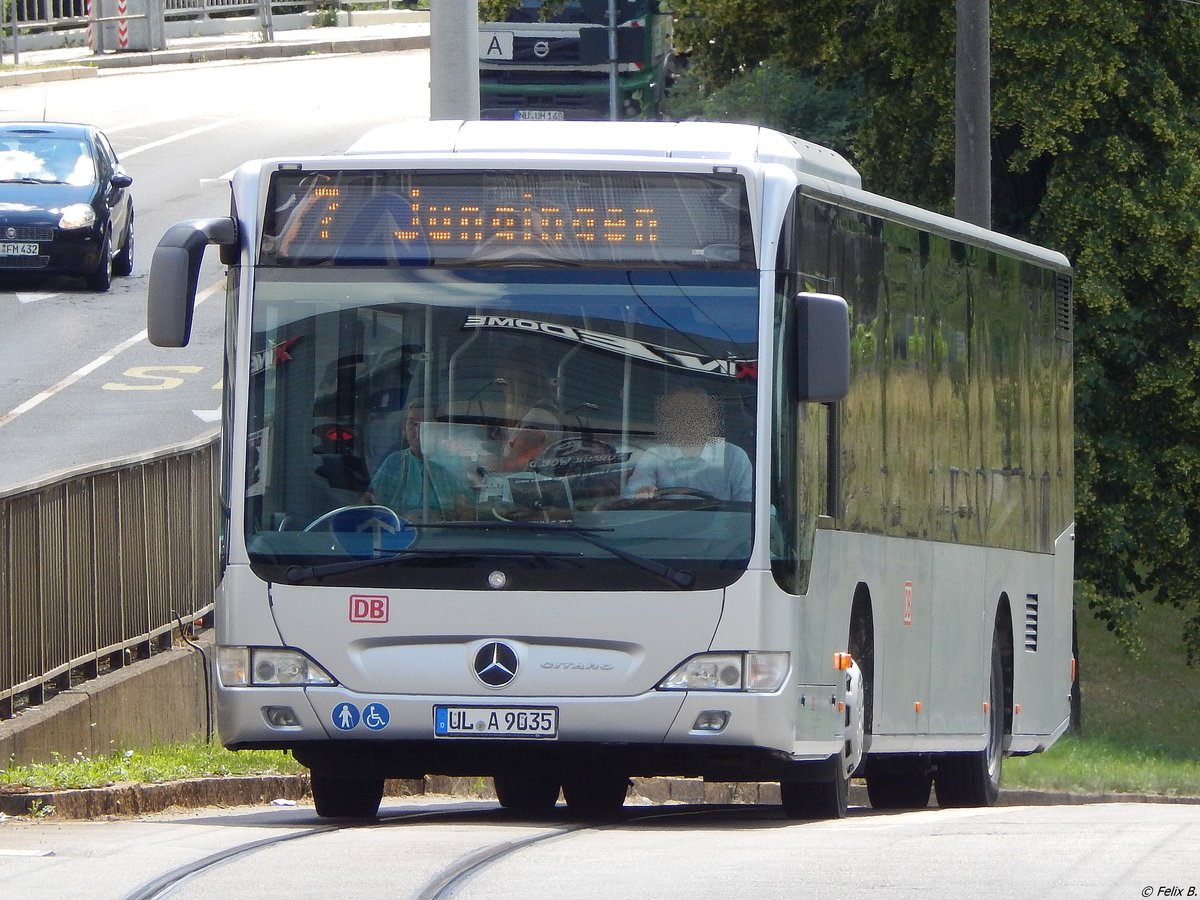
x=1097 y=765
x=1141 y=716
x=159 y=764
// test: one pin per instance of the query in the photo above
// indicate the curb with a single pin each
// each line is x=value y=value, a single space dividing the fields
x=143 y=799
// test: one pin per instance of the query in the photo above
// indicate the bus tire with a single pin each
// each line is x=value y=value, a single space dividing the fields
x=596 y=794
x=973 y=779
x=899 y=782
x=826 y=798
x=525 y=792
x=346 y=798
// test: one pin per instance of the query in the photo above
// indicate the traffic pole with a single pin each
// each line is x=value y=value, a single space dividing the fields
x=454 y=59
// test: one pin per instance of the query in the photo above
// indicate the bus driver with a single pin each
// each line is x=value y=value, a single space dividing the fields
x=691 y=454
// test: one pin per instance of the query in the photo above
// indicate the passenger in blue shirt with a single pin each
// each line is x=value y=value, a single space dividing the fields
x=691 y=455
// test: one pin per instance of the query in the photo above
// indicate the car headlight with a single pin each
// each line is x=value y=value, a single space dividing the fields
x=77 y=215
x=268 y=666
x=756 y=671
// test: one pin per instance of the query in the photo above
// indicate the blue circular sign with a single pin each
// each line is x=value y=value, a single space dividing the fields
x=375 y=716
x=345 y=716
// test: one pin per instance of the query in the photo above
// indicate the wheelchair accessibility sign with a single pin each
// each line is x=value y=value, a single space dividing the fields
x=374 y=716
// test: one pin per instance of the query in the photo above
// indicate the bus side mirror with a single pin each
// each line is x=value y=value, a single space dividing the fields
x=823 y=337
x=174 y=273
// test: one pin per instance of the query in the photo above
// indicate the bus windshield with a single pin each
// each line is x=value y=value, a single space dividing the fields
x=558 y=428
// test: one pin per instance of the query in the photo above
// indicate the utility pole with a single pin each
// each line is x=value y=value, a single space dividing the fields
x=613 y=112
x=454 y=59
x=973 y=113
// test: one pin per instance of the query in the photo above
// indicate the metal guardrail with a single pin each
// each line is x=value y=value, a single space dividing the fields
x=97 y=568
x=60 y=14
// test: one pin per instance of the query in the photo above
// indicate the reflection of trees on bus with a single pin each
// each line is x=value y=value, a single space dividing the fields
x=942 y=334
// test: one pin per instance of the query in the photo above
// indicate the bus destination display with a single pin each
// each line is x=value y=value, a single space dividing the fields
x=358 y=217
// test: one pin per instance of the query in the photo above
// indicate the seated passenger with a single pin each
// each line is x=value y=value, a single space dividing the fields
x=528 y=439
x=691 y=454
x=400 y=481
x=530 y=413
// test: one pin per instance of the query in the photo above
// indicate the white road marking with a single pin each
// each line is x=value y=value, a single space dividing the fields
x=183 y=135
x=34 y=298
x=208 y=416
x=95 y=364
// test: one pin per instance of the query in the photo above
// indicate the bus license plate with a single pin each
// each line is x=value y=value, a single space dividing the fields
x=495 y=722
x=10 y=249
x=540 y=115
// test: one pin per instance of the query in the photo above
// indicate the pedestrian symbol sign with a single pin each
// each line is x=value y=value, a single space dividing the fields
x=345 y=716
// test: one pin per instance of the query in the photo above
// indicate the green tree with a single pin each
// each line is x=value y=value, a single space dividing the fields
x=1096 y=151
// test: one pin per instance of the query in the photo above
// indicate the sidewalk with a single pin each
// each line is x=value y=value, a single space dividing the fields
x=66 y=63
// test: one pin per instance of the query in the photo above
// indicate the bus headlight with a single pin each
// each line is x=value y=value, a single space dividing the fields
x=268 y=666
x=758 y=671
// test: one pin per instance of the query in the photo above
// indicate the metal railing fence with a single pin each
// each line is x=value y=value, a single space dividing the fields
x=98 y=568
x=61 y=14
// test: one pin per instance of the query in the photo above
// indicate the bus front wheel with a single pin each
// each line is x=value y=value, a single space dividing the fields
x=346 y=798
x=826 y=797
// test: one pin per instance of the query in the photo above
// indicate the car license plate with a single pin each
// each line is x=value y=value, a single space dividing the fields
x=495 y=722
x=11 y=249
x=540 y=115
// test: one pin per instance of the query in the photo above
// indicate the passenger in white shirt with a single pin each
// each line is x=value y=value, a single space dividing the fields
x=691 y=455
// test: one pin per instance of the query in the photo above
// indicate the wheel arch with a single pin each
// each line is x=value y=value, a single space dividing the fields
x=1003 y=632
x=862 y=646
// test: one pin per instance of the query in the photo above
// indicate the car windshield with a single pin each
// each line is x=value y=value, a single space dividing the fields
x=586 y=429
x=46 y=159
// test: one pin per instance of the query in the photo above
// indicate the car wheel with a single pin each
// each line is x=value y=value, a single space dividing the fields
x=101 y=279
x=123 y=261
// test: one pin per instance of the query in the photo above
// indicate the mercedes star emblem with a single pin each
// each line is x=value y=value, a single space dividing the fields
x=496 y=664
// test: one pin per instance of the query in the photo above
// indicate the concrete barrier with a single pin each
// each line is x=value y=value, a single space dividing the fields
x=160 y=700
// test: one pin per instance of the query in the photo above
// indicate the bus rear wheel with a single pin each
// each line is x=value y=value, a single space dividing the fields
x=596 y=794
x=525 y=792
x=899 y=782
x=346 y=798
x=973 y=779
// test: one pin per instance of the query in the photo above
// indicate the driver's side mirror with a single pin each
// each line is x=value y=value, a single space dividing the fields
x=822 y=324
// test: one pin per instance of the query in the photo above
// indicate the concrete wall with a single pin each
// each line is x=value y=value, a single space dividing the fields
x=155 y=701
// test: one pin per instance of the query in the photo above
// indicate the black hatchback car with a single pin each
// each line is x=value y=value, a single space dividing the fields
x=65 y=203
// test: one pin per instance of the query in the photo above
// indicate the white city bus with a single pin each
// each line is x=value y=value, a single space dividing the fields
x=563 y=453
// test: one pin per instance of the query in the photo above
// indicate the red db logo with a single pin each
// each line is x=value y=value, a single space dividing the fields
x=368 y=608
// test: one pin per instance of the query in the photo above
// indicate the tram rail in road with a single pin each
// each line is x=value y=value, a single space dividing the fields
x=450 y=878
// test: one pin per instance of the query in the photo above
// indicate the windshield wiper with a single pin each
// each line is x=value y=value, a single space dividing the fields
x=297 y=574
x=678 y=577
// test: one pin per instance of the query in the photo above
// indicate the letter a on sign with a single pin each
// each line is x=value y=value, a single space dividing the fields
x=368 y=608
x=496 y=45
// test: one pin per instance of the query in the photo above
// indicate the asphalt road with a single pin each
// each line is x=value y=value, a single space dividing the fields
x=79 y=384
x=441 y=847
